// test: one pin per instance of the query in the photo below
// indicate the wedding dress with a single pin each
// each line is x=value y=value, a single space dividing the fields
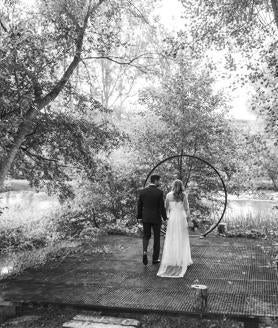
x=176 y=251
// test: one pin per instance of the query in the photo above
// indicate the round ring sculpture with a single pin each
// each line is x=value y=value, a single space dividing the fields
x=215 y=170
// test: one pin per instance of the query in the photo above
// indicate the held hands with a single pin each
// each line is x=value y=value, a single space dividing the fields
x=164 y=222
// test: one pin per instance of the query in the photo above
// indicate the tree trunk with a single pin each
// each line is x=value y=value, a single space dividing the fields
x=274 y=4
x=24 y=129
x=275 y=186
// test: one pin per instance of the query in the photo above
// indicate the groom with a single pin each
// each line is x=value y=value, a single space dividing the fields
x=150 y=209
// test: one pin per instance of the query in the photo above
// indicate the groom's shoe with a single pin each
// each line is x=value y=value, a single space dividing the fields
x=145 y=259
x=156 y=261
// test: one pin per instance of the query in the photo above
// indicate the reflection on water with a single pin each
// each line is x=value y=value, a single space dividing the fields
x=28 y=198
x=6 y=270
x=42 y=202
x=250 y=207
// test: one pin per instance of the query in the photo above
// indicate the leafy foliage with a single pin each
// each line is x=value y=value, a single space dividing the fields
x=55 y=137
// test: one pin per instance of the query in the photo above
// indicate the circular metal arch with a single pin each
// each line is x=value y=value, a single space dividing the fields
x=215 y=170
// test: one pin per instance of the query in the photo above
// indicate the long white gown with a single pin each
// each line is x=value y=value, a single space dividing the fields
x=176 y=251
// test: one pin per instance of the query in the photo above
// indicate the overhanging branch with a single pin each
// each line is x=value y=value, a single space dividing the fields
x=75 y=61
x=37 y=157
x=117 y=60
x=274 y=4
x=3 y=26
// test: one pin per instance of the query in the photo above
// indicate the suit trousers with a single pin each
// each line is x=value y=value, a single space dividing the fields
x=147 y=232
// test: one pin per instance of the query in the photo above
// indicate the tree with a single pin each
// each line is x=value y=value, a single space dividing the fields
x=185 y=103
x=265 y=159
x=37 y=70
x=31 y=99
x=248 y=28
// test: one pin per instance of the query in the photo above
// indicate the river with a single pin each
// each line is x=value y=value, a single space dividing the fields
x=28 y=198
x=250 y=207
x=41 y=202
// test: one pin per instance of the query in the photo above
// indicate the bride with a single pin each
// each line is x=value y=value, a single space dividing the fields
x=176 y=252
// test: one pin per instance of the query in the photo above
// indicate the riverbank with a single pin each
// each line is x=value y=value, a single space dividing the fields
x=258 y=195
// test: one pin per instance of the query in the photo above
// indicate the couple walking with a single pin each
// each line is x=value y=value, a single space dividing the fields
x=176 y=251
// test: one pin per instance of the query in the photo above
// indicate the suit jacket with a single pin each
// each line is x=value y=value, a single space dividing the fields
x=150 y=205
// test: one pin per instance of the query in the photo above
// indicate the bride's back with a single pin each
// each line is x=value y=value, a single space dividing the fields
x=170 y=196
x=173 y=203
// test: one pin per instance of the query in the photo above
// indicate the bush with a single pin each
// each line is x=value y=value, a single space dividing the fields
x=29 y=238
x=262 y=225
x=26 y=228
x=121 y=228
x=16 y=262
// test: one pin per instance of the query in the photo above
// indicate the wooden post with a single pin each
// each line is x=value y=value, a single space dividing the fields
x=201 y=297
x=222 y=228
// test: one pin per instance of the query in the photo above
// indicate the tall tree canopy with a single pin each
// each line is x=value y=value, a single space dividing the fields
x=49 y=116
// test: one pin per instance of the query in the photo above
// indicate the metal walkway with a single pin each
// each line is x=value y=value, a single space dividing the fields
x=241 y=282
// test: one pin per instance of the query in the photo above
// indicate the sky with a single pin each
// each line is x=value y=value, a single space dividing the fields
x=240 y=105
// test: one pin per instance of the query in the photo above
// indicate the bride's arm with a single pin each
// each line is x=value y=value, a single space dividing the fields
x=167 y=205
x=186 y=207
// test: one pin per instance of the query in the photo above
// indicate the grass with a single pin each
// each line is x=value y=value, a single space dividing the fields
x=54 y=317
x=16 y=262
x=26 y=228
x=265 y=225
x=30 y=237
x=24 y=209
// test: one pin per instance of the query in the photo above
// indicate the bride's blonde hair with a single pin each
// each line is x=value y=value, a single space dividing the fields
x=178 y=190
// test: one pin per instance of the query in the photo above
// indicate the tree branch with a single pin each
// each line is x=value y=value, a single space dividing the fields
x=89 y=76
x=118 y=61
x=32 y=133
x=3 y=26
x=36 y=85
x=39 y=157
x=76 y=59
x=274 y=4
x=141 y=15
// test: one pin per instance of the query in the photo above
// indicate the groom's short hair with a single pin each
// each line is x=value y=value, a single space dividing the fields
x=154 y=178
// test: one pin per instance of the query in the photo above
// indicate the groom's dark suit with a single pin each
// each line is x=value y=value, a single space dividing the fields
x=150 y=210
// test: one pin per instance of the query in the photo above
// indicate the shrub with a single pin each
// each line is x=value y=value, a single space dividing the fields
x=16 y=262
x=26 y=228
x=253 y=226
